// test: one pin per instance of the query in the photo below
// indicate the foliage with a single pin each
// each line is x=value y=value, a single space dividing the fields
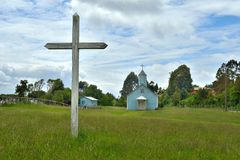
x=163 y=99
x=107 y=99
x=203 y=98
x=37 y=94
x=83 y=85
x=54 y=85
x=221 y=82
x=121 y=102
x=67 y=96
x=226 y=86
x=231 y=69
x=237 y=83
x=176 y=97
x=63 y=96
x=93 y=91
x=234 y=95
x=39 y=85
x=180 y=79
x=22 y=88
x=30 y=88
x=130 y=83
x=58 y=96
x=203 y=93
x=227 y=83
x=48 y=96
x=35 y=90
x=152 y=86
x=179 y=91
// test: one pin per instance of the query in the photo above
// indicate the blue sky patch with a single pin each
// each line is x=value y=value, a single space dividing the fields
x=221 y=21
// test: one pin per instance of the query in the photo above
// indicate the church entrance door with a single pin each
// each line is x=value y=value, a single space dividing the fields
x=142 y=104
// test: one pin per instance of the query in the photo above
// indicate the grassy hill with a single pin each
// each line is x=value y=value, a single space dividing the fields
x=43 y=132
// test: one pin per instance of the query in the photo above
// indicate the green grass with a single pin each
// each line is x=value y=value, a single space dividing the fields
x=43 y=132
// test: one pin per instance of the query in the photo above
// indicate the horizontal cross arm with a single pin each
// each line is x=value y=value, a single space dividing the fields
x=58 y=45
x=92 y=45
x=85 y=45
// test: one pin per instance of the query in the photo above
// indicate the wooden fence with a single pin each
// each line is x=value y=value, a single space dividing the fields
x=15 y=100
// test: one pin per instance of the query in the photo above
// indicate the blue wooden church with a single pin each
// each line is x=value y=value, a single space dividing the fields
x=142 y=98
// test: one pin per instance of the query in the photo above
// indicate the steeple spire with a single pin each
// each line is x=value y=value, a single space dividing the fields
x=142 y=77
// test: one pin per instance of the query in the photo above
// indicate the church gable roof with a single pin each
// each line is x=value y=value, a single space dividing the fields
x=139 y=87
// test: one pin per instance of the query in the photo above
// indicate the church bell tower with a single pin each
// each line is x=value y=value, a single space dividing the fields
x=142 y=78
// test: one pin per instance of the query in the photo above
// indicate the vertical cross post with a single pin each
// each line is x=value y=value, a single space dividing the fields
x=75 y=45
x=75 y=76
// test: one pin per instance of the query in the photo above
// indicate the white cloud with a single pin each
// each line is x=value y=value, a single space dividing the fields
x=7 y=5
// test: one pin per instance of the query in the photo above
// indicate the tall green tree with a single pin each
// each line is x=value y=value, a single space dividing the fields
x=234 y=92
x=67 y=95
x=38 y=85
x=107 y=99
x=176 y=97
x=30 y=88
x=62 y=96
x=226 y=75
x=203 y=93
x=163 y=98
x=35 y=90
x=121 y=102
x=221 y=82
x=22 y=88
x=37 y=94
x=231 y=69
x=152 y=86
x=130 y=83
x=58 y=96
x=180 y=79
x=237 y=86
x=93 y=91
x=237 y=83
x=83 y=85
x=54 y=85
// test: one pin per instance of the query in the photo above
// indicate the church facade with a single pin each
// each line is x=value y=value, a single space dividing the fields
x=142 y=98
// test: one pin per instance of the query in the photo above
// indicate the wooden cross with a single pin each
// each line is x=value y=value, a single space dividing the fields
x=75 y=46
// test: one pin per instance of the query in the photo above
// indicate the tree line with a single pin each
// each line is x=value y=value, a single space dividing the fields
x=225 y=90
x=57 y=92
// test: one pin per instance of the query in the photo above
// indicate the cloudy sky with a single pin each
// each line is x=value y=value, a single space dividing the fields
x=161 y=34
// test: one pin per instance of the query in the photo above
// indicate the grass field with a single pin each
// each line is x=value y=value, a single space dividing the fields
x=43 y=132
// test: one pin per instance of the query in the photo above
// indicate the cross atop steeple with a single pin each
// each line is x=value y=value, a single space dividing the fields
x=142 y=77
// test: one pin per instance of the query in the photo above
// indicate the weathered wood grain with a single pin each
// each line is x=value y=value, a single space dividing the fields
x=75 y=46
x=84 y=45
x=75 y=75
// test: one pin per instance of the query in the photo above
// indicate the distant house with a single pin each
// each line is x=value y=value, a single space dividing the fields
x=88 y=102
x=142 y=98
x=195 y=90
